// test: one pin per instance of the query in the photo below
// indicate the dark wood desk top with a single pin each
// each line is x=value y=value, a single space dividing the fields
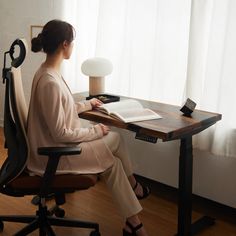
x=173 y=124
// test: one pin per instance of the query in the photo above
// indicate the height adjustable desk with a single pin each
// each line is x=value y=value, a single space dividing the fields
x=172 y=126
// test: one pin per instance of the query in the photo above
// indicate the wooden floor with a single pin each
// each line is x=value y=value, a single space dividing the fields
x=159 y=214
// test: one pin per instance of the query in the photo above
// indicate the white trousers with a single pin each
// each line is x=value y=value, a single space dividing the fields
x=116 y=177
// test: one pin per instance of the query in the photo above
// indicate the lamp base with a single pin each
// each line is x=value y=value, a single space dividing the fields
x=96 y=85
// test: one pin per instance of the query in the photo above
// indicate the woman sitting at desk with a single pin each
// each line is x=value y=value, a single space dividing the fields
x=53 y=121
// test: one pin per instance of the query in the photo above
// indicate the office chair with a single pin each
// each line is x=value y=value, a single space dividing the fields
x=14 y=177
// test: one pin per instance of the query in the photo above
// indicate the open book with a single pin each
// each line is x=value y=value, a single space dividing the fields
x=128 y=110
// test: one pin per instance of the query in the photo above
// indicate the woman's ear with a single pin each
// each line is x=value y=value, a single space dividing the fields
x=67 y=49
x=65 y=44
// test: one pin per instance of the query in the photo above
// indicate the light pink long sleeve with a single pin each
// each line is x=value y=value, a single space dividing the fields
x=57 y=121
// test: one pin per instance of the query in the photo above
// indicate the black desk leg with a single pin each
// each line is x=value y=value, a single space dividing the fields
x=185 y=187
x=185 y=228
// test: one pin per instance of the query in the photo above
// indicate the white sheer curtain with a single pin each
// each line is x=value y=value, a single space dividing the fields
x=163 y=50
x=83 y=15
x=147 y=42
x=211 y=77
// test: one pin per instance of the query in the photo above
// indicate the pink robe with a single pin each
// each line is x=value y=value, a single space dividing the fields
x=53 y=121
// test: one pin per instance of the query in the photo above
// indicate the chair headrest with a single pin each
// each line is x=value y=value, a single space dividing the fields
x=17 y=61
x=20 y=44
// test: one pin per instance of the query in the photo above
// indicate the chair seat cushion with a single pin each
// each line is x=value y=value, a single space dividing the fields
x=28 y=185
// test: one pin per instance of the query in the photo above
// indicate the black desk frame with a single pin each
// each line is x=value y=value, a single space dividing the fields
x=185 y=226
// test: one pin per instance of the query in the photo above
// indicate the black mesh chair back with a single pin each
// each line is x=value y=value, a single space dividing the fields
x=15 y=115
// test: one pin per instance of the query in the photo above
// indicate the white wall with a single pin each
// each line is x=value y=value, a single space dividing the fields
x=214 y=177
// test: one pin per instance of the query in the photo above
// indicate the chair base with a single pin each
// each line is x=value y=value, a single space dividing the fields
x=43 y=221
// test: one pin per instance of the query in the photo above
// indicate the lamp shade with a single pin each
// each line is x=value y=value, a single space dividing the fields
x=96 y=67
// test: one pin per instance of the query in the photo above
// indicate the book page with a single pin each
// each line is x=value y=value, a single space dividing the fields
x=119 y=106
x=132 y=115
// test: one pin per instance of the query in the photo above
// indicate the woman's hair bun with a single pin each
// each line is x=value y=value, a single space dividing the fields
x=36 y=43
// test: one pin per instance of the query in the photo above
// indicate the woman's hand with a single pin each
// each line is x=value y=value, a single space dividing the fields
x=105 y=129
x=95 y=102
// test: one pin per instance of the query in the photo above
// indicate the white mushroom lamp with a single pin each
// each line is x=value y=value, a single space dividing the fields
x=96 y=68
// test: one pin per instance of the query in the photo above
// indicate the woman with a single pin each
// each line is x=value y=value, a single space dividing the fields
x=53 y=121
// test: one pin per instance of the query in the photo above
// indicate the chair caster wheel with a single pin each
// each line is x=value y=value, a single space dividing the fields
x=1 y=226
x=59 y=212
x=35 y=200
x=95 y=233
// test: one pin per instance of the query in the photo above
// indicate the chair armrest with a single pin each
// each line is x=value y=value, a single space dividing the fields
x=54 y=154
x=59 y=151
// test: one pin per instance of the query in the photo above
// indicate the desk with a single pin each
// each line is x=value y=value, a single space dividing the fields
x=172 y=126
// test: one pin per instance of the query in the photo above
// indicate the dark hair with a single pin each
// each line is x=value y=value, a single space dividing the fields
x=53 y=34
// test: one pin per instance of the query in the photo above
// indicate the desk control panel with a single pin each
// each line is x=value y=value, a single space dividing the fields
x=146 y=138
